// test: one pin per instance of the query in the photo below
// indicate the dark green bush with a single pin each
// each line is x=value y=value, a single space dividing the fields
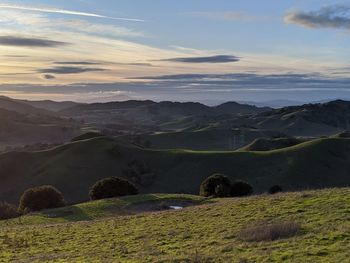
x=241 y=188
x=8 y=211
x=111 y=187
x=40 y=198
x=216 y=185
x=275 y=189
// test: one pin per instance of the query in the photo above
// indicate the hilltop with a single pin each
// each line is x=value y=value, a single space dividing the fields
x=74 y=167
x=209 y=232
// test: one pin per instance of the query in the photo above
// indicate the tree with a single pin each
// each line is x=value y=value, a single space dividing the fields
x=40 y=198
x=216 y=185
x=112 y=187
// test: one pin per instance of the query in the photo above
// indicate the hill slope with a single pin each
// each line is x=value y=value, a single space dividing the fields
x=74 y=167
x=19 y=129
x=151 y=116
x=307 y=120
x=264 y=144
x=207 y=233
x=21 y=107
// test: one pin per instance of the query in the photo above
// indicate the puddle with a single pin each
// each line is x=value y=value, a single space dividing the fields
x=175 y=207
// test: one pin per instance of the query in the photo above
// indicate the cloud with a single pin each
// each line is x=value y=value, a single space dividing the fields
x=69 y=70
x=48 y=76
x=29 y=42
x=78 y=25
x=64 y=12
x=337 y=16
x=249 y=80
x=211 y=59
x=77 y=63
x=230 y=16
x=199 y=87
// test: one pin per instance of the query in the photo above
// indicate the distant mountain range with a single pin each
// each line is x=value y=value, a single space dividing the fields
x=166 y=124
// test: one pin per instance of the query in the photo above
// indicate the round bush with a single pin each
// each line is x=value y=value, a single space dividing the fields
x=8 y=211
x=241 y=188
x=275 y=189
x=112 y=187
x=40 y=198
x=216 y=185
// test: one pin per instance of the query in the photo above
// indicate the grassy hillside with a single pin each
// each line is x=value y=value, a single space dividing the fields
x=128 y=205
x=265 y=144
x=207 y=139
x=74 y=167
x=205 y=233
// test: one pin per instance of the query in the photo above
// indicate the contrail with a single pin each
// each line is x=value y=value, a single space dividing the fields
x=65 y=12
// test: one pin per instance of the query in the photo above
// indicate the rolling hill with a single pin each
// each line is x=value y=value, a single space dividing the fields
x=153 y=116
x=21 y=107
x=50 y=105
x=74 y=167
x=210 y=138
x=211 y=232
x=307 y=120
x=264 y=144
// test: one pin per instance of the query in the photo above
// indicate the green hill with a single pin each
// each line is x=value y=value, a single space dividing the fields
x=74 y=167
x=212 y=232
x=206 y=139
x=265 y=144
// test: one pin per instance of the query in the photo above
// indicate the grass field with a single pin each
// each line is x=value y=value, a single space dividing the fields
x=205 y=233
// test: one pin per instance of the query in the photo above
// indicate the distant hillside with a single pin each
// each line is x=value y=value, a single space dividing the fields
x=20 y=129
x=209 y=138
x=133 y=115
x=21 y=107
x=51 y=105
x=237 y=108
x=310 y=120
x=74 y=167
x=307 y=120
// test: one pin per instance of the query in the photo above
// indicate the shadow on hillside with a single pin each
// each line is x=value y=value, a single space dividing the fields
x=71 y=213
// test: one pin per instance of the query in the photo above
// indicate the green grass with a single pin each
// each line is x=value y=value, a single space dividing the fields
x=101 y=209
x=74 y=167
x=206 y=233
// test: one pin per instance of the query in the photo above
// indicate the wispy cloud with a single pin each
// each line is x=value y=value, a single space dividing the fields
x=336 y=16
x=29 y=42
x=211 y=59
x=64 y=12
x=77 y=63
x=69 y=70
x=48 y=76
x=197 y=87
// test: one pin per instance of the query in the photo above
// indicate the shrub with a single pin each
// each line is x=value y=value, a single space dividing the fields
x=270 y=232
x=216 y=185
x=275 y=189
x=8 y=211
x=40 y=198
x=111 y=187
x=241 y=188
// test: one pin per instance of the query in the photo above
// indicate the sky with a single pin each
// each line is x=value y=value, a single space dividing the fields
x=185 y=50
